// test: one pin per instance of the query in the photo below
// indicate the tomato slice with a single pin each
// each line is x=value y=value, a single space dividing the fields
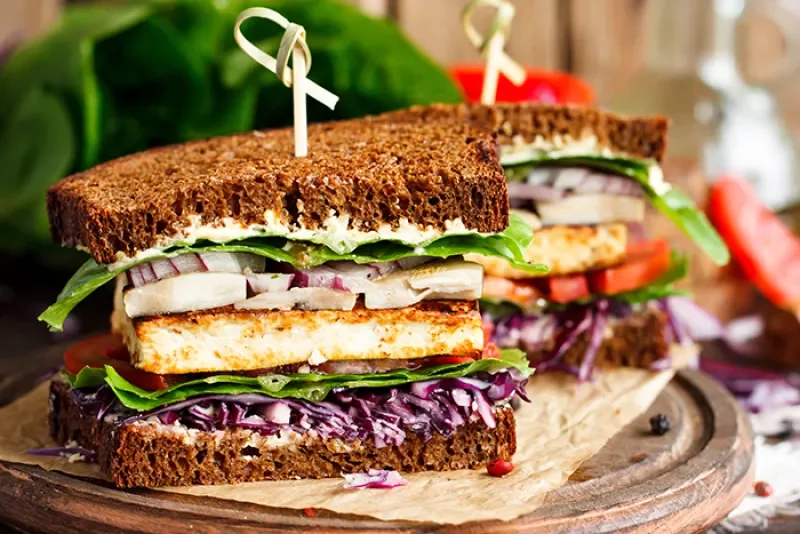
x=566 y=288
x=765 y=248
x=645 y=261
x=107 y=349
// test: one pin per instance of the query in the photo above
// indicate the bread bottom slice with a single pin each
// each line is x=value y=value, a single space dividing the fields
x=637 y=340
x=146 y=454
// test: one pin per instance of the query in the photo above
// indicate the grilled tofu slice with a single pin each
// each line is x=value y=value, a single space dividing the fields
x=567 y=250
x=227 y=339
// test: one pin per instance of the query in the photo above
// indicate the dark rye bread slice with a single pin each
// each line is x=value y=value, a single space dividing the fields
x=376 y=173
x=150 y=455
x=637 y=341
x=639 y=137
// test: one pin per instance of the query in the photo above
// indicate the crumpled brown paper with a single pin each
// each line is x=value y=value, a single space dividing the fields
x=564 y=425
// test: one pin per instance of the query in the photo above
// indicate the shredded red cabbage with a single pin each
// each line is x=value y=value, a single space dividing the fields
x=688 y=320
x=757 y=390
x=89 y=455
x=599 y=318
x=556 y=332
x=98 y=400
x=374 y=478
x=384 y=415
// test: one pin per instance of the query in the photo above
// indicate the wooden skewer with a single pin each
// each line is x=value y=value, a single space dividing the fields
x=491 y=72
x=299 y=101
x=293 y=43
x=491 y=47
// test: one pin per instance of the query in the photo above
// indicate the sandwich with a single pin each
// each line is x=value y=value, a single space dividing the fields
x=583 y=179
x=279 y=317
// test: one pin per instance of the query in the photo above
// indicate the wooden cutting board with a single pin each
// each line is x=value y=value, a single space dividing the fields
x=682 y=482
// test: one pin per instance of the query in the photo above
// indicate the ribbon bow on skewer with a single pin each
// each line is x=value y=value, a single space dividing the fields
x=491 y=46
x=293 y=42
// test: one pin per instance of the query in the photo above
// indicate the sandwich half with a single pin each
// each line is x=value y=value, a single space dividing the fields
x=583 y=178
x=279 y=317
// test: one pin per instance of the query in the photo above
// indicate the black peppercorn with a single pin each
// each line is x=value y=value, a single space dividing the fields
x=659 y=424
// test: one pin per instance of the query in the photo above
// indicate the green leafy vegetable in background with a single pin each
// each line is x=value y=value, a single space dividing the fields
x=313 y=387
x=112 y=79
x=671 y=202
x=510 y=245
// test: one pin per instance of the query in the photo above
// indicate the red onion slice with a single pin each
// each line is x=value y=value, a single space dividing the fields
x=135 y=277
x=146 y=272
x=554 y=183
x=269 y=282
x=187 y=263
x=164 y=269
x=524 y=191
x=352 y=277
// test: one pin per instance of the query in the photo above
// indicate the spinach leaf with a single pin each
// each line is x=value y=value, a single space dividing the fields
x=678 y=207
x=63 y=63
x=153 y=72
x=313 y=387
x=36 y=143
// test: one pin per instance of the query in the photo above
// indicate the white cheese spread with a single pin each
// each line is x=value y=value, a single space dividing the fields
x=335 y=233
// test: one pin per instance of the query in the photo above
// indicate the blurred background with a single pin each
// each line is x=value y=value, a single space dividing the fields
x=85 y=81
x=82 y=82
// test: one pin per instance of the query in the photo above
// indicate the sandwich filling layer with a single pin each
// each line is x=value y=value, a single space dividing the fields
x=570 y=183
x=240 y=340
x=606 y=299
x=297 y=265
x=290 y=303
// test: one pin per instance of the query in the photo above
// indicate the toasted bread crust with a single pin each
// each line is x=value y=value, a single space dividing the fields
x=566 y=250
x=375 y=173
x=146 y=455
x=640 y=137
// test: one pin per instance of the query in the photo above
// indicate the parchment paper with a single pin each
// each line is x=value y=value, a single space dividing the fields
x=565 y=425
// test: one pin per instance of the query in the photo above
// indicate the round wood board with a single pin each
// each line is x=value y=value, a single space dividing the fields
x=685 y=481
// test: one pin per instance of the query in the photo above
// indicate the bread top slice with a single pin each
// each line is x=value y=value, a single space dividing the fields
x=541 y=124
x=363 y=180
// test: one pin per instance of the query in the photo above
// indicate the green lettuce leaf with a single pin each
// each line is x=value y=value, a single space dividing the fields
x=678 y=207
x=510 y=245
x=313 y=387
